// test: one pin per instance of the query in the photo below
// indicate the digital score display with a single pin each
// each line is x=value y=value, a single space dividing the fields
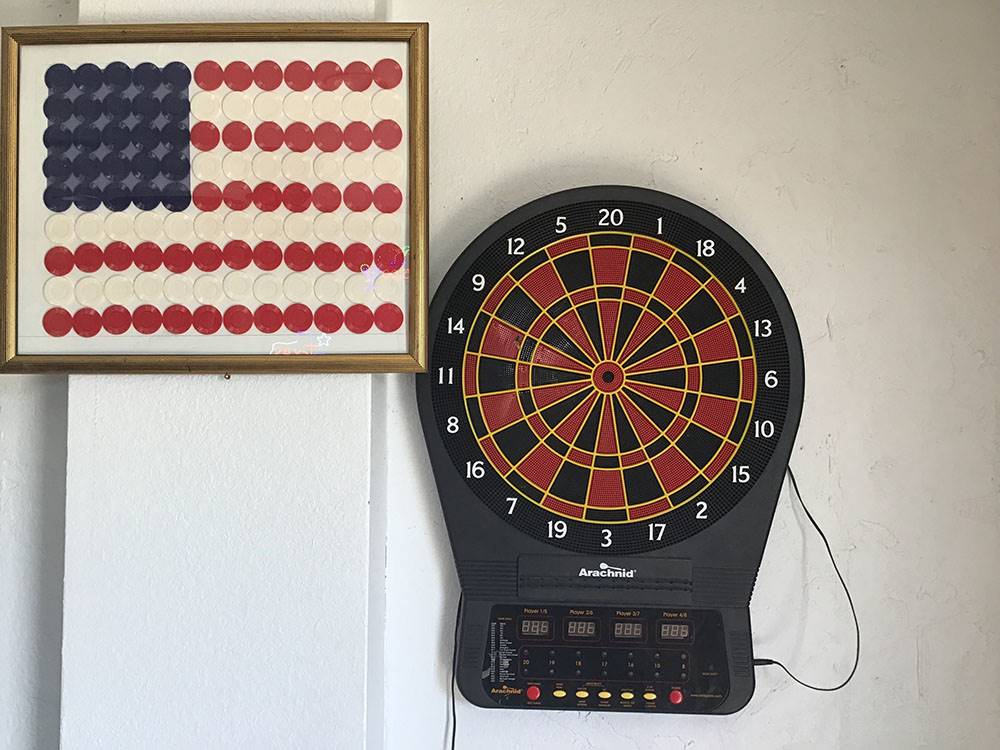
x=629 y=631
x=581 y=628
x=535 y=628
x=675 y=631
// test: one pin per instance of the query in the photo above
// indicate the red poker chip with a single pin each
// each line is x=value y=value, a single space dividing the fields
x=326 y=197
x=237 y=319
x=328 y=75
x=328 y=136
x=59 y=260
x=237 y=195
x=87 y=322
x=206 y=196
x=238 y=76
x=298 y=136
x=296 y=197
x=57 y=321
x=177 y=258
x=236 y=136
x=208 y=75
x=298 y=317
x=357 y=196
x=267 y=318
x=207 y=319
x=358 y=319
x=269 y=136
x=387 y=73
x=148 y=256
x=118 y=256
x=204 y=136
x=389 y=258
x=267 y=255
x=358 y=76
x=357 y=136
x=388 y=317
x=387 y=198
x=298 y=75
x=328 y=257
x=358 y=257
x=328 y=318
x=298 y=256
x=267 y=196
x=207 y=256
x=267 y=75
x=387 y=134
x=116 y=319
x=177 y=319
x=237 y=254
x=88 y=257
x=146 y=319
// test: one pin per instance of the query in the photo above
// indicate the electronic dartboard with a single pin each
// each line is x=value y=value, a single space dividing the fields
x=614 y=386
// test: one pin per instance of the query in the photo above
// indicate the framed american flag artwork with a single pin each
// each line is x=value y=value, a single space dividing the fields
x=214 y=198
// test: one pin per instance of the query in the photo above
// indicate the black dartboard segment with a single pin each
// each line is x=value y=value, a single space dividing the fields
x=608 y=369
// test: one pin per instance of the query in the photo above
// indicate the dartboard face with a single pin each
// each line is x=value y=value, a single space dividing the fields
x=609 y=371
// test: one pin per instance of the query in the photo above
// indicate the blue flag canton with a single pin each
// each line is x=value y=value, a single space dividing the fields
x=117 y=136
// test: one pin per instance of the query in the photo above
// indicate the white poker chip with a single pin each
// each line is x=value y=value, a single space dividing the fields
x=89 y=291
x=267 y=288
x=207 y=167
x=208 y=289
x=236 y=165
x=387 y=166
x=329 y=167
x=357 y=105
x=298 y=227
x=358 y=227
x=329 y=288
x=297 y=167
x=389 y=287
x=238 y=225
x=298 y=287
x=237 y=105
x=267 y=226
x=89 y=227
x=148 y=286
x=208 y=226
x=327 y=226
x=387 y=228
x=179 y=227
x=177 y=288
x=387 y=105
x=267 y=105
x=118 y=225
x=267 y=166
x=59 y=229
x=358 y=288
x=237 y=285
x=148 y=225
x=297 y=105
x=357 y=167
x=326 y=105
x=205 y=105
x=118 y=289
x=58 y=290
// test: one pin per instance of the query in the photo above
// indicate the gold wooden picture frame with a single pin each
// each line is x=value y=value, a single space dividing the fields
x=136 y=275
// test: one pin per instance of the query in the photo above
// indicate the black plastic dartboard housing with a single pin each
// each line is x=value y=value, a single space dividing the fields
x=614 y=387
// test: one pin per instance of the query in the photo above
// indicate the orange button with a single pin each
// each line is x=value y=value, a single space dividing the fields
x=533 y=692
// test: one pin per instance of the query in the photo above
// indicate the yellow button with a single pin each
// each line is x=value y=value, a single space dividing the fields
x=604 y=695
x=582 y=694
x=627 y=695
x=559 y=693
x=649 y=696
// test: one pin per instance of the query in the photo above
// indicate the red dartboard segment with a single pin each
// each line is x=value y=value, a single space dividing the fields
x=609 y=265
x=676 y=287
x=607 y=438
x=715 y=413
x=500 y=410
x=543 y=285
x=609 y=310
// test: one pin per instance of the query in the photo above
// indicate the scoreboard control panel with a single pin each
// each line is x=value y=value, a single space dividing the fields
x=645 y=659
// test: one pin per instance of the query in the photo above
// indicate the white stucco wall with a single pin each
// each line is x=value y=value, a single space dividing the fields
x=855 y=145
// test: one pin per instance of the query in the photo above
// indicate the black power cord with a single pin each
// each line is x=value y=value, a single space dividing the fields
x=850 y=601
x=454 y=668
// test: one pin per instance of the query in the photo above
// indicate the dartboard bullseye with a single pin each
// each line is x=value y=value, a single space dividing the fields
x=614 y=386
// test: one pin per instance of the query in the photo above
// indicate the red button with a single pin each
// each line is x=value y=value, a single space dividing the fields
x=676 y=697
x=533 y=692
